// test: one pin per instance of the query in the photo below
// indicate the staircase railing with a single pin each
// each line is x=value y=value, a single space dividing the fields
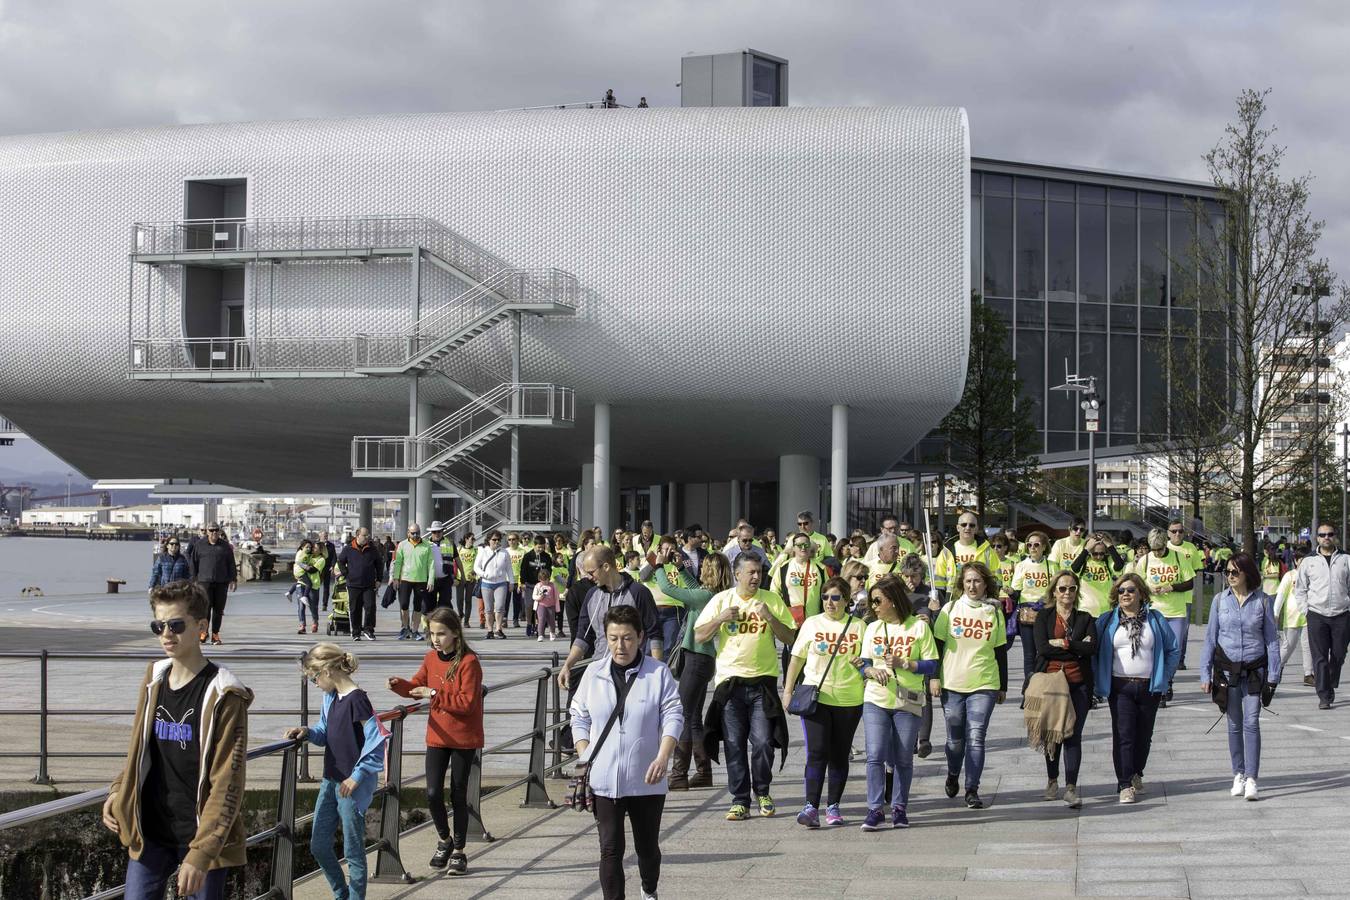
x=526 y=507
x=475 y=421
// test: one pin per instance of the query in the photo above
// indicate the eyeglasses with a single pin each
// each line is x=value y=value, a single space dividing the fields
x=1066 y=588
x=965 y=525
x=832 y=598
x=805 y=523
x=859 y=577
x=801 y=546
x=1326 y=534
x=175 y=626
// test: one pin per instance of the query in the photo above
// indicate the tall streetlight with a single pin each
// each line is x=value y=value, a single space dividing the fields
x=1086 y=385
x=1316 y=396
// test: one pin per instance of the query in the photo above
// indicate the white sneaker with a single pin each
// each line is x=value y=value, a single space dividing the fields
x=1239 y=782
x=540 y=638
x=1251 y=793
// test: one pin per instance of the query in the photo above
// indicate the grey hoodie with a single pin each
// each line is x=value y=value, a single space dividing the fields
x=590 y=633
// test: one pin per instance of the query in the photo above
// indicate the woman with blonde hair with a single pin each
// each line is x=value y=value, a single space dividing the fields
x=1137 y=655
x=353 y=757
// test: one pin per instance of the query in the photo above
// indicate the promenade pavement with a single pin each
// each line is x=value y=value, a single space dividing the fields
x=1187 y=838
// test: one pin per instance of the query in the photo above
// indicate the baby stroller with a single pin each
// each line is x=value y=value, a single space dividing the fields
x=339 y=617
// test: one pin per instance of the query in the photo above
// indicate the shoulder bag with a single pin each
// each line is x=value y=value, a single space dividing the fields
x=805 y=697
x=580 y=797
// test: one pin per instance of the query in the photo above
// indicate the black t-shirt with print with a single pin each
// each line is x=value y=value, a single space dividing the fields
x=169 y=800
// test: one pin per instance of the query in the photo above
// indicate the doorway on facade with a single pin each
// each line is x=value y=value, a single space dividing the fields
x=214 y=312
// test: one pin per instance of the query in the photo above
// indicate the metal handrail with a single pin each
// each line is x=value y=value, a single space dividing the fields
x=388 y=865
x=520 y=506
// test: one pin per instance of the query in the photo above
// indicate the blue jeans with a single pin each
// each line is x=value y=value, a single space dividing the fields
x=967 y=721
x=1180 y=628
x=1027 y=637
x=1244 y=729
x=1133 y=712
x=329 y=809
x=671 y=621
x=744 y=719
x=309 y=597
x=147 y=876
x=891 y=736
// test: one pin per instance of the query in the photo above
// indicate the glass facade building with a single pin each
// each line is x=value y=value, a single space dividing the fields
x=1090 y=269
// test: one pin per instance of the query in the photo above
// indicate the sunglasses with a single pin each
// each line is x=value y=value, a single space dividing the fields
x=1127 y=590
x=173 y=543
x=966 y=525
x=1067 y=588
x=175 y=626
x=1078 y=528
x=1231 y=572
x=1174 y=531
x=1326 y=534
x=832 y=598
x=801 y=546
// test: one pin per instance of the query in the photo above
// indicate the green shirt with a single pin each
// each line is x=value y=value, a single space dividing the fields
x=816 y=641
x=910 y=639
x=969 y=633
x=694 y=597
x=413 y=562
x=745 y=646
x=1168 y=569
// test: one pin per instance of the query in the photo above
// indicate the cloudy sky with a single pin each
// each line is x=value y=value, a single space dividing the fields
x=1136 y=86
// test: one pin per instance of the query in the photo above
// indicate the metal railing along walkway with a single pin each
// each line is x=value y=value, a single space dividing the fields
x=547 y=718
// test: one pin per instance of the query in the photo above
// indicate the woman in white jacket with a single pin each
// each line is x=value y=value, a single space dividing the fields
x=496 y=578
x=628 y=766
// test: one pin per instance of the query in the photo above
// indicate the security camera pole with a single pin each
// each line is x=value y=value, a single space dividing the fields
x=1091 y=406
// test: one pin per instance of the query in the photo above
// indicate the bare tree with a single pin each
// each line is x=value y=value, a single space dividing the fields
x=1259 y=259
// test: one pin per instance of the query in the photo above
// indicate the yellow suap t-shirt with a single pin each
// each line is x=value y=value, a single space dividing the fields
x=947 y=566
x=970 y=632
x=1033 y=580
x=1064 y=551
x=745 y=647
x=803 y=585
x=1094 y=586
x=816 y=640
x=878 y=569
x=659 y=596
x=516 y=553
x=910 y=639
x=1169 y=569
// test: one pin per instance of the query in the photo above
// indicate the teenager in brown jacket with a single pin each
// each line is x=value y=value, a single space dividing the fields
x=178 y=802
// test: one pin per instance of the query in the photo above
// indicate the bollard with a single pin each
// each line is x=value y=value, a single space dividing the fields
x=474 y=799
x=42 y=776
x=555 y=737
x=304 y=720
x=113 y=584
x=282 y=873
x=536 y=793
x=388 y=864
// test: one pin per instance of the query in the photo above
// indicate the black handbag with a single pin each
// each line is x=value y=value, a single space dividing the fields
x=580 y=797
x=805 y=697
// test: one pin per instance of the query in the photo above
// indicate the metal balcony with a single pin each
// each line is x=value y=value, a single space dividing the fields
x=463 y=431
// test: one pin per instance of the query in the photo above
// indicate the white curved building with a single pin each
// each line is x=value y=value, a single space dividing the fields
x=716 y=279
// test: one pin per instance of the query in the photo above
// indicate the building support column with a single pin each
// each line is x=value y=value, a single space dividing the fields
x=737 y=507
x=516 y=399
x=602 y=486
x=413 y=454
x=798 y=489
x=839 y=470
x=942 y=504
x=917 y=499
x=657 y=513
x=365 y=513
x=672 y=507
x=424 y=505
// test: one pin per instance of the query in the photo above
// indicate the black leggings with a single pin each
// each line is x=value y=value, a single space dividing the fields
x=1072 y=749
x=694 y=677
x=829 y=738
x=644 y=814
x=458 y=761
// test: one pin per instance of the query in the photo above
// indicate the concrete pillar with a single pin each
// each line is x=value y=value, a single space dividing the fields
x=603 y=495
x=942 y=504
x=423 y=505
x=839 y=470
x=586 y=495
x=917 y=498
x=798 y=489
x=737 y=508
x=365 y=513
x=401 y=518
x=658 y=507
x=672 y=507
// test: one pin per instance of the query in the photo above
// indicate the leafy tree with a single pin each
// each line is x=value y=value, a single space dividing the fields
x=991 y=433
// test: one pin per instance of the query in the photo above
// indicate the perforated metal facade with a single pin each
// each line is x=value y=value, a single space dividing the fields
x=742 y=270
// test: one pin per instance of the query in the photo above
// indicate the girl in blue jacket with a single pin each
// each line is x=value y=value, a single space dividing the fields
x=1137 y=655
x=353 y=741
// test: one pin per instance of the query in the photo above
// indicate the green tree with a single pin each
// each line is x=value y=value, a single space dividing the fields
x=991 y=435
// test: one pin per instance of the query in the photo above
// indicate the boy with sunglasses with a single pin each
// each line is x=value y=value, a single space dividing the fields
x=177 y=802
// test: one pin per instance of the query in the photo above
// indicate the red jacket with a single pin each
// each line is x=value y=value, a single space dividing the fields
x=456 y=717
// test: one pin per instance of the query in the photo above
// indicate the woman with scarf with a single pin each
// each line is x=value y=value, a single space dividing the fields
x=972 y=676
x=1066 y=641
x=1240 y=665
x=1137 y=655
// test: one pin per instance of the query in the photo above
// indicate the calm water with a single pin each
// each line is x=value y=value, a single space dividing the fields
x=75 y=566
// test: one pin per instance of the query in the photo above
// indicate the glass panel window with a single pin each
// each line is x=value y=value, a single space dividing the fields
x=1059 y=190
x=1091 y=317
x=1121 y=197
x=1061 y=406
x=1153 y=384
x=1183 y=321
x=1157 y=201
x=976 y=234
x=974 y=183
x=998 y=184
x=998 y=247
x=1123 y=389
x=1030 y=313
x=1031 y=373
x=1182 y=252
x=1124 y=256
x=1091 y=193
x=1152 y=257
x=1003 y=307
x=1062 y=315
x=1062 y=252
x=1092 y=253
x=1059 y=441
x=1030 y=187
x=1124 y=318
x=764 y=83
x=1030 y=248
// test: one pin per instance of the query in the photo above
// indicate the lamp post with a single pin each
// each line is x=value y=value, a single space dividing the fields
x=1316 y=396
x=1086 y=385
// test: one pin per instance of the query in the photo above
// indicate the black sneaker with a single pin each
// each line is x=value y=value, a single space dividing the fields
x=490 y=636
x=953 y=785
x=441 y=856
x=973 y=800
x=1169 y=692
x=459 y=863
x=924 y=748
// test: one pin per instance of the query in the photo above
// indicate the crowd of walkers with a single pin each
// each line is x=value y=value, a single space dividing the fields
x=704 y=651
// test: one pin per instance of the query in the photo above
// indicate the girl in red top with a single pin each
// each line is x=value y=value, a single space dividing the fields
x=451 y=678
